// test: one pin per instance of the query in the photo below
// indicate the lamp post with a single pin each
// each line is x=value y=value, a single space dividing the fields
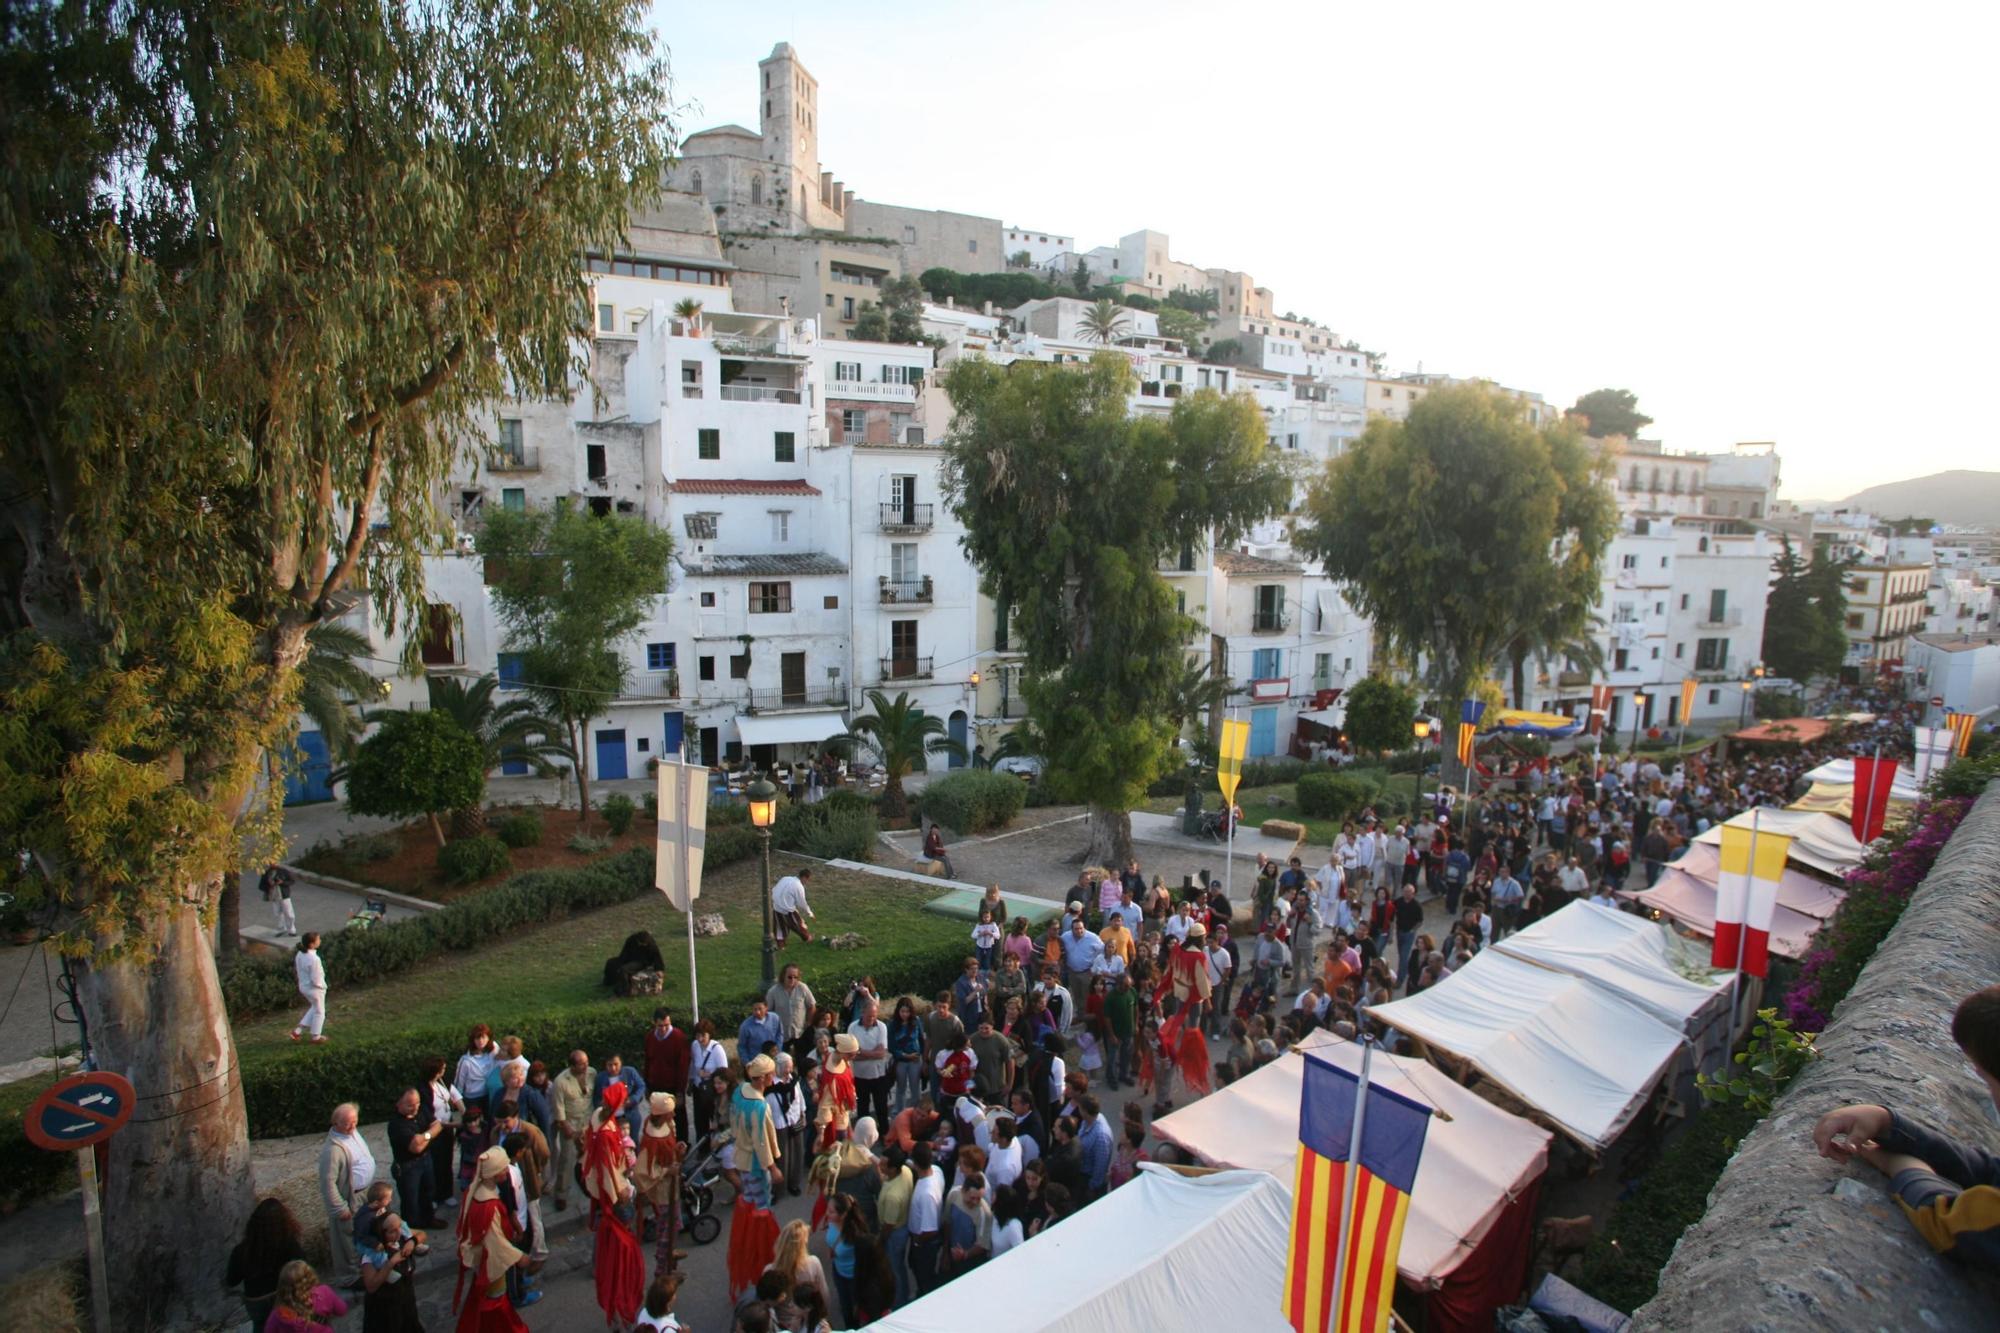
x=1743 y=713
x=1422 y=730
x=1638 y=709
x=763 y=798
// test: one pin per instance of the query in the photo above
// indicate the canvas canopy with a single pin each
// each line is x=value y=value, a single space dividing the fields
x=1578 y=1053
x=1522 y=723
x=1473 y=1166
x=1163 y=1252
x=1819 y=841
x=1805 y=894
x=789 y=728
x=1840 y=773
x=1638 y=961
x=1691 y=902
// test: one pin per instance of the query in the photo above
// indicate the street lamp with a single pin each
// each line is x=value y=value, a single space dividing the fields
x=1638 y=708
x=763 y=798
x=1422 y=728
x=1743 y=713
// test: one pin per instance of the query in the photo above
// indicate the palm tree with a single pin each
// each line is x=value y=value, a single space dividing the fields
x=507 y=731
x=688 y=311
x=1103 y=322
x=332 y=684
x=1198 y=696
x=1551 y=641
x=902 y=736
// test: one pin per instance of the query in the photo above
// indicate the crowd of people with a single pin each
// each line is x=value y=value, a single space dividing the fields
x=937 y=1132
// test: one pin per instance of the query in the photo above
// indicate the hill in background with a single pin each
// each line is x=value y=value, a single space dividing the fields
x=1967 y=498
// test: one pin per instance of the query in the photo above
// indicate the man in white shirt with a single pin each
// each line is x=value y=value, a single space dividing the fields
x=789 y=908
x=1366 y=851
x=871 y=1063
x=1345 y=851
x=926 y=1207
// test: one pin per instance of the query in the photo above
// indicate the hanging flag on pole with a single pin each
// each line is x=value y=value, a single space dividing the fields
x=1960 y=726
x=677 y=849
x=1469 y=713
x=1347 y=1226
x=1688 y=686
x=1229 y=763
x=1746 y=897
x=1874 y=779
x=1600 y=708
x=1933 y=746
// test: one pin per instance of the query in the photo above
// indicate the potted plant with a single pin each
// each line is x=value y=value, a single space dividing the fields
x=673 y=683
x=688 y=311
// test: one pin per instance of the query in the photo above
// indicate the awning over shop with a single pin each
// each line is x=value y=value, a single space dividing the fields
x=1325 y=717
x=1819 y=842
x=1840 y=773
x=1692 y=903
x=788 y=728
x=1806 y=894
x=1524 y=723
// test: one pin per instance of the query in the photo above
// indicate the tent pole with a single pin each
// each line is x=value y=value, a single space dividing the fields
x=1348 y=1182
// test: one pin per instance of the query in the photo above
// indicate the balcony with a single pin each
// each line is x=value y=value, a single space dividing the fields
x=781 y=700
x=525 y=458
x=906 y=668
x=901 y=592
x=757 y=393
x=1723 y=668
x=1011 y=706
x=1732 y=618
x=737 y=344
x=906 y=518
x=875 y=389
x=1270 y=622
x=653 y=685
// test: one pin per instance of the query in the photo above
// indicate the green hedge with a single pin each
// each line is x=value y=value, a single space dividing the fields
x=469 y=860
x=1333 y=795
x=521 y=829
x=840 y=827
x=973 y=800
x=291 y=1090
x=618 y=812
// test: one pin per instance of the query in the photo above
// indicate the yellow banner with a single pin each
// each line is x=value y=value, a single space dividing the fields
x=1229 y=766
x=1772 y=849
x=1687 y=698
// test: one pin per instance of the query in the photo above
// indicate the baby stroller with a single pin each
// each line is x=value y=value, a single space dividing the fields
x=699 y=1171
x=1254 y=1000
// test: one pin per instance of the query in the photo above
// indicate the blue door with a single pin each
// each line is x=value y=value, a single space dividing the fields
x=955 y=728
x=1263 y=732
x=510 y=679
x=309 y=780
x=610 y=754
x=673 y=742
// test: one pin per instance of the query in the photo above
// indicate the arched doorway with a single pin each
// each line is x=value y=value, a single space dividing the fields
x=955 y=727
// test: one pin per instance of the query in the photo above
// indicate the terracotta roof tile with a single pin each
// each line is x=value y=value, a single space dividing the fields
x=1242 y=562
x=742 y=486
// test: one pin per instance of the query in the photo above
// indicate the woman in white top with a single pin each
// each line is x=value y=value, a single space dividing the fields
x=474 y=1066
x=312 y=985
x=658 y=1311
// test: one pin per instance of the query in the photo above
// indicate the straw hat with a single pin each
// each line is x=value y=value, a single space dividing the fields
x=660 y=1103
x=1197 y=932
x=846 y=1043
x=492 y=1167
x=761 y=1067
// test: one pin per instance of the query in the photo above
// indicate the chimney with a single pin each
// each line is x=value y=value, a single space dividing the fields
x=847 y=201
x=826 y=188
x=838 y=187
x=987 y=309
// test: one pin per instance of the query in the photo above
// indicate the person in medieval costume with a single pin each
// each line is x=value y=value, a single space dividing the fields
x=833 y=1091
x=618 y=1263
x=753 y=1232
x=1185 y=980
x=656 y=1176
x=486 y=1232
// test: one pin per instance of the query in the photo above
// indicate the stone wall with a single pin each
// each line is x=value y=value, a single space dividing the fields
x=1791 y=1241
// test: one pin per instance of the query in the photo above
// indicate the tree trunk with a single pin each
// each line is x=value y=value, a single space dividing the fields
x=437 y=829
x=1519 y=654
x=177 y=1190
x=229 y=917
x=1110 y=837
x=468 y=822
x=582 y=767
x=894 y=804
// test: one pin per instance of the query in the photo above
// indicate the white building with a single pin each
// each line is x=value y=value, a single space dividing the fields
x=1045 y=249
x=1961 y=669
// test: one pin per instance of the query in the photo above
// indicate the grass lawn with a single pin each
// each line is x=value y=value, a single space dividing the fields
x=404 y=860
x=558 y=969
x=1280 y=801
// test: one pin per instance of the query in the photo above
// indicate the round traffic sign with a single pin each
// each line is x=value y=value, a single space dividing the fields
x=1937 y=701
x=82 y=1110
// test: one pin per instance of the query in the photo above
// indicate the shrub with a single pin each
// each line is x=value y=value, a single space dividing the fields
x=649 y=801
x=841 y=827
x=469 y=860
x=1333 y=795
x=618 y=813
x=523 y=828
x=588 y=844
x=727 y=814
x=370 y=847
x=1967 y=778
x=973 y=800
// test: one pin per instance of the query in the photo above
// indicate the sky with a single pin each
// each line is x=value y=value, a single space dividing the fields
x=1771 y=221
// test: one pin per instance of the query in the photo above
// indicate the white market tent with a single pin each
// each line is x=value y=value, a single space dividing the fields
x=1638 y=961
x=1691 y=901
x=1474 y=1164
x=1805 y=894
x=1575 y=1051
x=1150 y=1255
x=1840 y=773
x=1819 y=842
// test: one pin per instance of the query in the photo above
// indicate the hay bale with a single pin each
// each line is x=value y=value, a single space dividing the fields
x=1282 y=828
x=43 y=1300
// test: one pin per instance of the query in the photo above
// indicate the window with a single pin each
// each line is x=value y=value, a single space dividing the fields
x=1267 y=664
x=1711 y=654
x=1718 y=605
x=853 y=422
x=1621 y=659
x=1656 y=653
x=1628 y=562
x=1663 y=562
x=708 y=443
x=903 y=641
x=510 y=671
x=847 y=307
x=757 y=182
x=1322 y=668
x=1715 y=697
x=1680 y=652
x=830 y=602
x=781 y=526
x=708 y=599
x=903 y=562
x=902 y=374
x=829 y=300
x=739 y=665
x=1684 y=601
x=1292 y=440
x=1180 y=602
x=514 y=500
x=785 y=446
x=659 y=657
x=593 y=461
x=847 y=371
x=1854 y=620
x=909 y=236
x=510 y=438
x=705 y=668
x=695 y=181
x=440 y=642
x=770 y=598
x=607 y=317
x=972 y=247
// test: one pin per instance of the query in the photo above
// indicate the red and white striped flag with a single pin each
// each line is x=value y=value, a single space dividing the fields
x=1746 y=897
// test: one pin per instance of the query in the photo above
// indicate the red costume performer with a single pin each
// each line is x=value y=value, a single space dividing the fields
x=485 y=1250
x=618 y=1262
x=834 y=1085
x=1186 y=979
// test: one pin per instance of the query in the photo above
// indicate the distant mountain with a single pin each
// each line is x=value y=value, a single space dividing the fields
x=1969 y=499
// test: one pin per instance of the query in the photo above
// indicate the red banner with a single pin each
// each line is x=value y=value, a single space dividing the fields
x=1874 y=779
x=1600 y=708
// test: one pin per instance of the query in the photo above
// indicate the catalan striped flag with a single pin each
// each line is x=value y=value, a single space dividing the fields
x=1960 y=725
x=1746 y=897
x=1384 y=1173
x=1469 y=713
